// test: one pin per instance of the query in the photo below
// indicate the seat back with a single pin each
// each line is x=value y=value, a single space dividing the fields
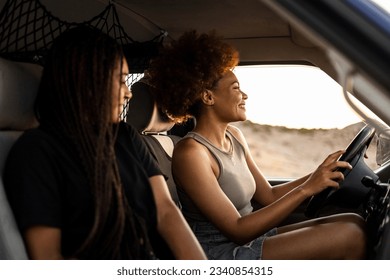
x=18 y=87
x=153 y=125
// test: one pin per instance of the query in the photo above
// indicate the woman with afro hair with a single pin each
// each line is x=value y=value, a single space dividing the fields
x=217 y=177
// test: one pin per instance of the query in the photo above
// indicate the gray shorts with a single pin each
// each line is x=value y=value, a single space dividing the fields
x=219 y=247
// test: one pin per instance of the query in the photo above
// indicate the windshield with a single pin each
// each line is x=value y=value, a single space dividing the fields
x=297 y=112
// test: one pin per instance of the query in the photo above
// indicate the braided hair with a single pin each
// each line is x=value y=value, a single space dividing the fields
x=75 y=99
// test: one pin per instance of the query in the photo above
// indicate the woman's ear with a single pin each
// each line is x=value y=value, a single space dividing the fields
x=208 y=97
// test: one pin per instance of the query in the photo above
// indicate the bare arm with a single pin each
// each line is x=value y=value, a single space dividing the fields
x=193 y=170
x=265 y=193
x=172 y=225
x=43 y=243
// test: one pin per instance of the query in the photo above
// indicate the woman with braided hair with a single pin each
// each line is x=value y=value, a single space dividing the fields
x=89 y=189
x=216 y=176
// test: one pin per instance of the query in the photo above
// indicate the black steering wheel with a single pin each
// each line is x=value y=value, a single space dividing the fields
x=354 y=155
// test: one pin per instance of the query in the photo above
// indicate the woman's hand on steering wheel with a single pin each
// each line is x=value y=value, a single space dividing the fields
x=328 y=174
x=352 y=155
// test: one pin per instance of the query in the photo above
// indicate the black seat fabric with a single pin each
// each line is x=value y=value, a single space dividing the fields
x=160 y=150
x=18 y=88
x=153 y=125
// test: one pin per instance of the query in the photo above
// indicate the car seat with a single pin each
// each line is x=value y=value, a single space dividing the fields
x=18 y=87
x=153 y=125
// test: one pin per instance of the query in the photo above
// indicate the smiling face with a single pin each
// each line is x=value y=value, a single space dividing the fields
x=120 y=90
x=228 y=99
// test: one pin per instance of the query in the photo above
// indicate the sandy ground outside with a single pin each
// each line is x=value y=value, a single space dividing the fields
x=291 y=153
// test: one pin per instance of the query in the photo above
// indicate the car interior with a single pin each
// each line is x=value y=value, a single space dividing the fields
x=264 y=31
x=153 y=125
x=16 y=115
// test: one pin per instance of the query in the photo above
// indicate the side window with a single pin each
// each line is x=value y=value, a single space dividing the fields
x=130 y=80
x=296 y=116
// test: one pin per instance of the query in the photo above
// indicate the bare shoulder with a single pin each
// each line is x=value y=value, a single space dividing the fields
x=189 y=148
x=190 y=158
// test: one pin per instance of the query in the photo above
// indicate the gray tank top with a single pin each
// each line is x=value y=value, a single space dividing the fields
x=235 y=179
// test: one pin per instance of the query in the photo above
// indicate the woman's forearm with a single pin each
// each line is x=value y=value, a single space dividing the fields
x=178 y=235
x=259 y=222
x=171 y=224
x=282 y=189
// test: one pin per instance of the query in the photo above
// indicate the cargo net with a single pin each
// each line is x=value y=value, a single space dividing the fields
x=27 y=30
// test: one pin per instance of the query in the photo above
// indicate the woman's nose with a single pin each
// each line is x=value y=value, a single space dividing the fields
x=244 y=95
x=128 y=94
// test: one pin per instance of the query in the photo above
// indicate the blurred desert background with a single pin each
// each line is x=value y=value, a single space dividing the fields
x=288 y=153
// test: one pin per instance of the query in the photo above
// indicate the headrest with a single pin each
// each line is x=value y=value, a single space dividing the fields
x=144 y=113
x=18 y=88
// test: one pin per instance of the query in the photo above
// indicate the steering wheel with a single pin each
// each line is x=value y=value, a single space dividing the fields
x=354 y=155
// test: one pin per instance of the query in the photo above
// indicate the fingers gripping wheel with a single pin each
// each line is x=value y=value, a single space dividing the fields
x=354 y=155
